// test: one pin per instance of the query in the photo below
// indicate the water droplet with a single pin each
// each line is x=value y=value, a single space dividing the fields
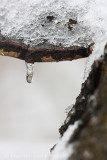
x=29 y=74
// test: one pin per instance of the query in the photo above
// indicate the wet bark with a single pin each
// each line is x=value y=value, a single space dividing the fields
x=90 y=138
x=42 y=52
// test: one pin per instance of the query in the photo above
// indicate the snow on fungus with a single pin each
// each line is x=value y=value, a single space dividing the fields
x=65 y=22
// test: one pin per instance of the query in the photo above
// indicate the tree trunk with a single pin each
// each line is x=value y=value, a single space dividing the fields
x=89 y=140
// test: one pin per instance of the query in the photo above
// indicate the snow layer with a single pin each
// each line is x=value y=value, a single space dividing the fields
x=63 y=149
x=97 y=53
x=27 y=20
x=96 y=19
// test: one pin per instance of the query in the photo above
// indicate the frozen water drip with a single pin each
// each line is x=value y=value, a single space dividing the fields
x=29 y=73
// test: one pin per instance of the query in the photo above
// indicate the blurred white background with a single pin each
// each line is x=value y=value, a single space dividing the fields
x=31 y=114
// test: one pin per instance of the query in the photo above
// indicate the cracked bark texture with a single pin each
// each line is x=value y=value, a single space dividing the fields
x=90 y=138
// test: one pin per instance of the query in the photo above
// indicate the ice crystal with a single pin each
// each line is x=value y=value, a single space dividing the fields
x=29 y=73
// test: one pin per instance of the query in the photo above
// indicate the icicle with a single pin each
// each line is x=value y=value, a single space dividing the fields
x=29 y=74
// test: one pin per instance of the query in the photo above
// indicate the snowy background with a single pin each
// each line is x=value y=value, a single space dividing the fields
x=31 y=114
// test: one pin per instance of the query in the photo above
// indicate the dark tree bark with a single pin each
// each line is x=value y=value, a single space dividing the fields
x=90 y=138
